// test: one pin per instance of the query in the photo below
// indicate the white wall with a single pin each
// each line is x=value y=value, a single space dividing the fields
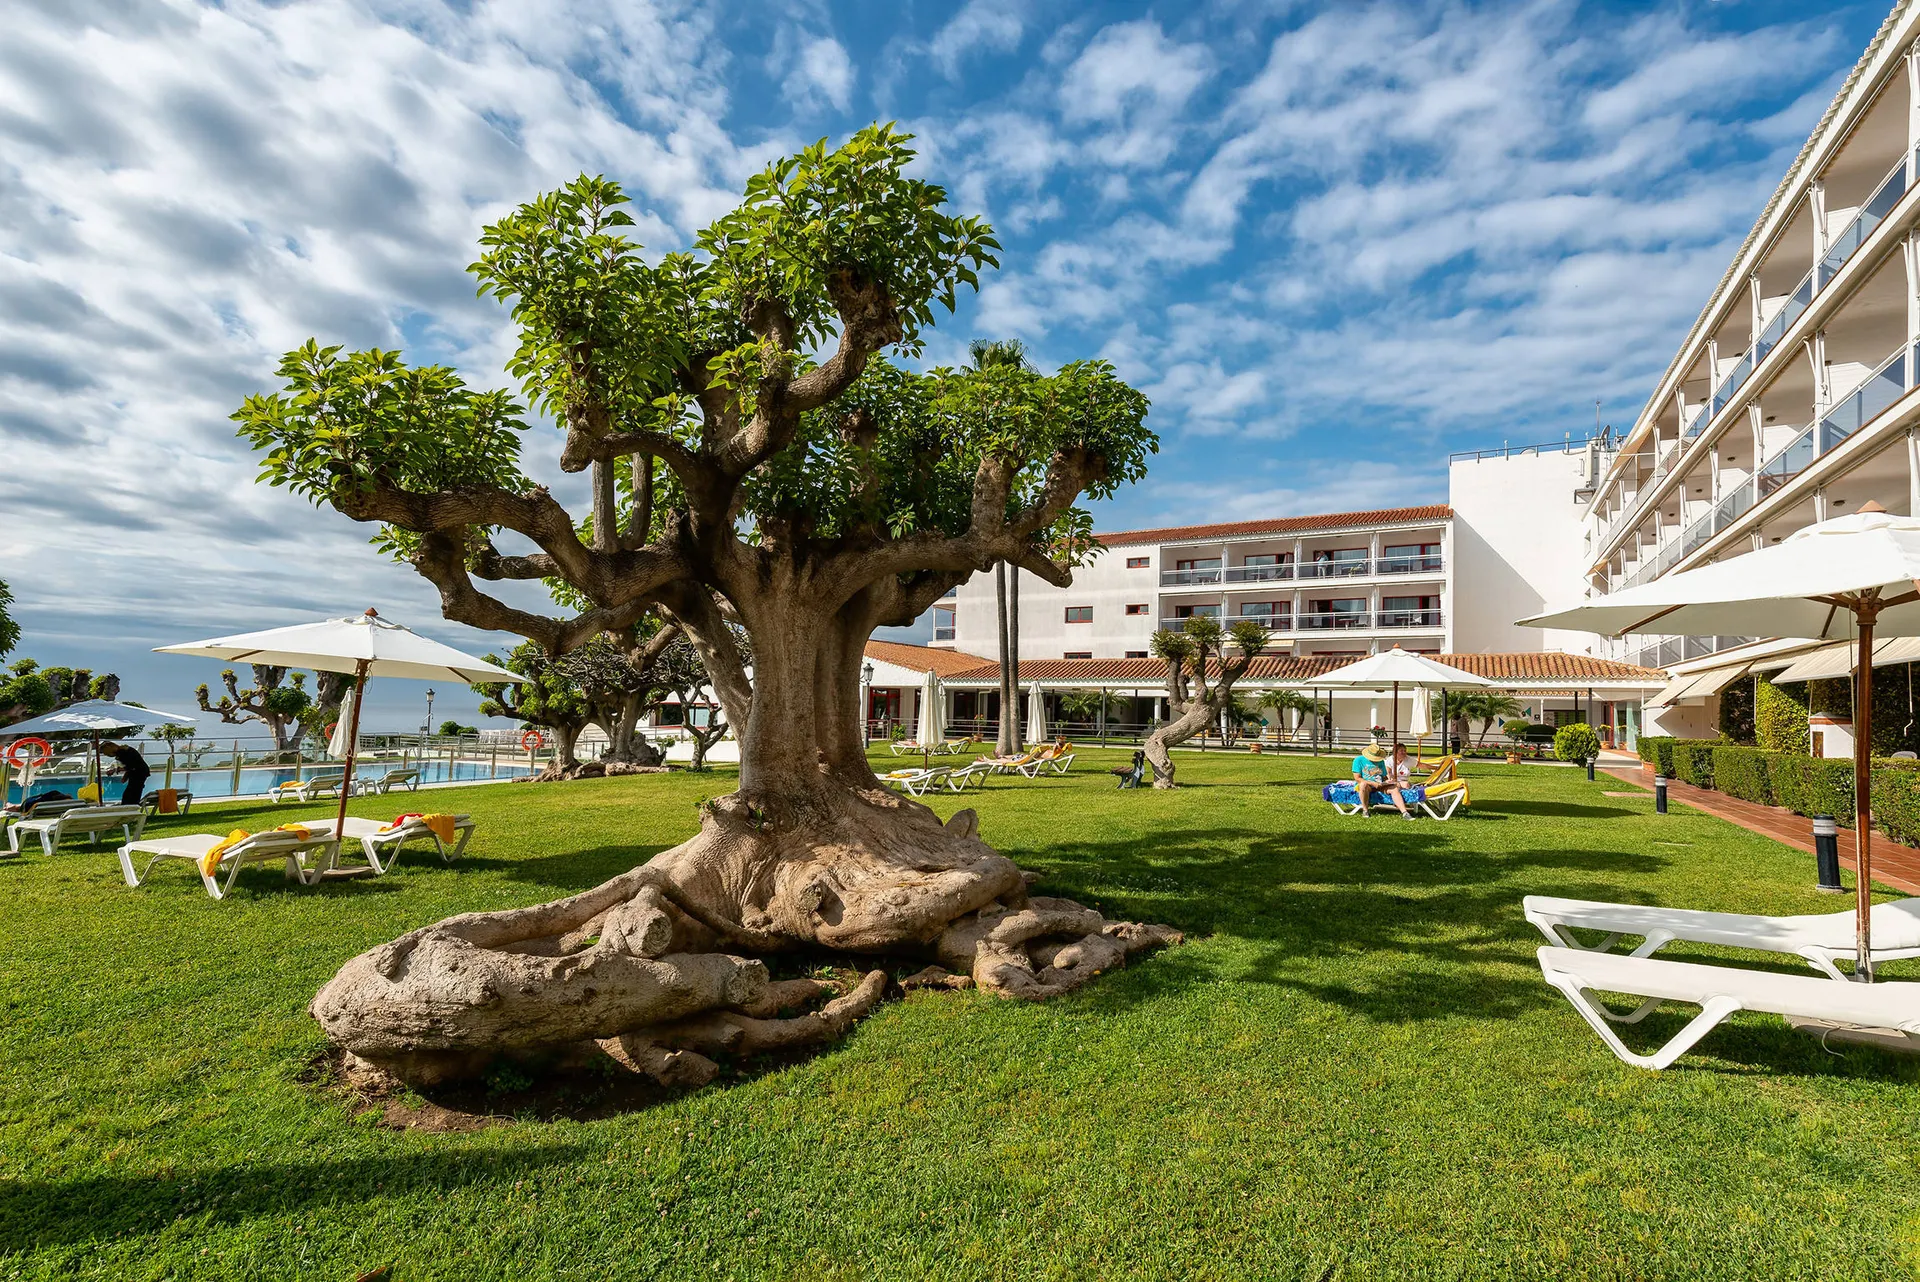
x=1518 y=545
x=1105 y=584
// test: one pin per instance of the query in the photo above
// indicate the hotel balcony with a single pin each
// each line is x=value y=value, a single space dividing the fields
x=1327 y=621
x=1309 y=571
x=943 y=634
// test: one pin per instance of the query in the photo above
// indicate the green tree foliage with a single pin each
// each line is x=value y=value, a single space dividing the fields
x=1576 y=742
x=753 y=456
x=1780 y=717
x=273 y=700
x=9 y=630
x=549 y=698
x=1487 y=707
x=454 y=730
x=28 y=690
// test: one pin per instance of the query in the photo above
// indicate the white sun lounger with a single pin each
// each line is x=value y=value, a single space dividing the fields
x=974 y=776
x=1821 y=938
x=1718 y=991
x=88 y=821
x=386 y=783
x=261 y=847
x=307 y=789
x=381 y=843
x=917 y=783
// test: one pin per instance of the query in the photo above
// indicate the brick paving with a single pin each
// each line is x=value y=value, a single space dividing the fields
x=1894 y=865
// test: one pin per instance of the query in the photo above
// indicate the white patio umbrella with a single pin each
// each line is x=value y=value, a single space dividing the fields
x=1394 y=668
x=929 y=715
x=1841 y=580
x=1420 y=719
x=93 y=717
x=367 y=646
x=1036 y=714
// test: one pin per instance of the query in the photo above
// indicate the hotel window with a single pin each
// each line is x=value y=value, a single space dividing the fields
x=1136 y=654
x=1201 y=563
x=1079 y=614
x=1196 y=611
x=1409 y=558
x=1339 y=612
x=1267 y=565
x=1409 y=611
x=943 y=623
x=1078 y=654
x=1138 y=562
x=1136 y=609
x=1265 y=609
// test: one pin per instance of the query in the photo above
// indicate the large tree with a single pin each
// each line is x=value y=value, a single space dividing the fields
x=1203 y=662
x=28 y=690
x=9 y=629
x=813 y=492
x=549 y=699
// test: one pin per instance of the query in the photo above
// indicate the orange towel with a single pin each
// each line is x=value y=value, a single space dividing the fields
x=167 y=802
x=215 y=852
x=441 y=826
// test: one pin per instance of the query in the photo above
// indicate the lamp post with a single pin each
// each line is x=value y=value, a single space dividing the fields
x=427 y=726
x=866 y=703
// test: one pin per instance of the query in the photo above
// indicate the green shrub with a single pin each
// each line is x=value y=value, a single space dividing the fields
x=1657 y=751
x=1896 y=800
x=1516 y=730
x=1742 y=772
x=1576 y=742
x=1693 y=761
x=1812 y=786
x=1780 y=717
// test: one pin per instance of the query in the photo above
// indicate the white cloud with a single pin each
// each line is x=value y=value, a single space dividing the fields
x=822 y=72
x=981 y=27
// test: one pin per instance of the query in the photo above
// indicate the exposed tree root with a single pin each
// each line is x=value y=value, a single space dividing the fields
x=657 y=968
x=559 y=772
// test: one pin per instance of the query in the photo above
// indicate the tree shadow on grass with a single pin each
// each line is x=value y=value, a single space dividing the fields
x=36 y=1214
x=1554 y=809
x=576 y=870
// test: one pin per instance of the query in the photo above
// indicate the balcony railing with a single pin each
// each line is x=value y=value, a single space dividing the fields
x=1409 y=619
x=1335 y=569
x=1272 y=622
x=1328 y=621
x=1259 y=573
x=1840 y=250
x=1190 y=578
x=1885 y=385
x=943 y=634
x=1407 y=565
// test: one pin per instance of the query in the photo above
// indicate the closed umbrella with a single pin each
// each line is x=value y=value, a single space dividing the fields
x=1848 y=579
x=929 y=715
x=367 y=646
x=1036 y=714
x=341 y=743
x=1420 y=720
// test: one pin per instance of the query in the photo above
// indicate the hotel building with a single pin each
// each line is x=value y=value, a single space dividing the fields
x=1793 y=397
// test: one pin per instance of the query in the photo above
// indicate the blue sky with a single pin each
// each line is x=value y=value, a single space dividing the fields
x=1333 y=242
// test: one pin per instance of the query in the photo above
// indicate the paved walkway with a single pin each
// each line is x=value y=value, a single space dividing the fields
x=1893 y=864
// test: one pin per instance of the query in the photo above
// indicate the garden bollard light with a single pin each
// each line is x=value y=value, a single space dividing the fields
x=1826 y=852
x=1590 y=769
x=1659 y=794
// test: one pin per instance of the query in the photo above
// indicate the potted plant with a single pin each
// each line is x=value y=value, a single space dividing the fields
x=1515 y=730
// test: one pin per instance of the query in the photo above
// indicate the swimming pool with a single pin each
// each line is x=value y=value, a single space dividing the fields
x=218 y=781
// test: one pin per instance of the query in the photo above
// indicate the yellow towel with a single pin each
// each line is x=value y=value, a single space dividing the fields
x=211 y=860
x=304 y=834
x=89 y=793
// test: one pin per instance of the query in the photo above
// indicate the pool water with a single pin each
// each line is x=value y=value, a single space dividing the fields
x=218 y=782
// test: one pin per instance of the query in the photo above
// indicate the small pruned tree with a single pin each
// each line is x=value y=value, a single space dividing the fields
x=275 y=700
x=28 y=690
x=1203 y=662
x=680 y=672
x=549 y=699
x=782 y=476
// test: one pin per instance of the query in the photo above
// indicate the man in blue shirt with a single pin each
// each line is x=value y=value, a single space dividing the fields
x=1370 y=777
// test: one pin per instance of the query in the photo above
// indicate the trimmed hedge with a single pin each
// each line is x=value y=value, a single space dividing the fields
x=1576 y=741
x=1896 y=800
x=1657 y=751
x=1693 y=761
x=1812 y=785
x=1742 y=772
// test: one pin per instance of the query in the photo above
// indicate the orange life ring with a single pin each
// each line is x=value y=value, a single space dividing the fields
x=533 y=740
x=43 y=752
x=331 y=727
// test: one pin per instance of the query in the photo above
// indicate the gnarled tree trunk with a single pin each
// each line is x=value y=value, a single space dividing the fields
x=657 y=965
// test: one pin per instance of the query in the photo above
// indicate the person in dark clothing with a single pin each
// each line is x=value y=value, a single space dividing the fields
x=133 y=766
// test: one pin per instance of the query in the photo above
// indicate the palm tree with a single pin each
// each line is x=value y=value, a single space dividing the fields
x=985 y=354
x=1285 y=701
x=1486 y=708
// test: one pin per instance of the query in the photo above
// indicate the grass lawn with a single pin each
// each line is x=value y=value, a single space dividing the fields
x=1351 y=1070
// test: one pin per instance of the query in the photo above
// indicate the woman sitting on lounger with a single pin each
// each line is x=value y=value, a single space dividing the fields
x=1370 y=777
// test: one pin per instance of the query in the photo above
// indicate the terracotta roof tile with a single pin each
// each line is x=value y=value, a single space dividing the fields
x=1523 y=667
x=920 y=658
x=1280 y=525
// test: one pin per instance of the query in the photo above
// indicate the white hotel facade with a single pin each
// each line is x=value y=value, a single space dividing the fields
x=1796 y=395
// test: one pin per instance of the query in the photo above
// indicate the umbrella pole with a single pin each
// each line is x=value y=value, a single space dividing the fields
x=353 y=745
x=1396 y=714
x=1863 y=798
